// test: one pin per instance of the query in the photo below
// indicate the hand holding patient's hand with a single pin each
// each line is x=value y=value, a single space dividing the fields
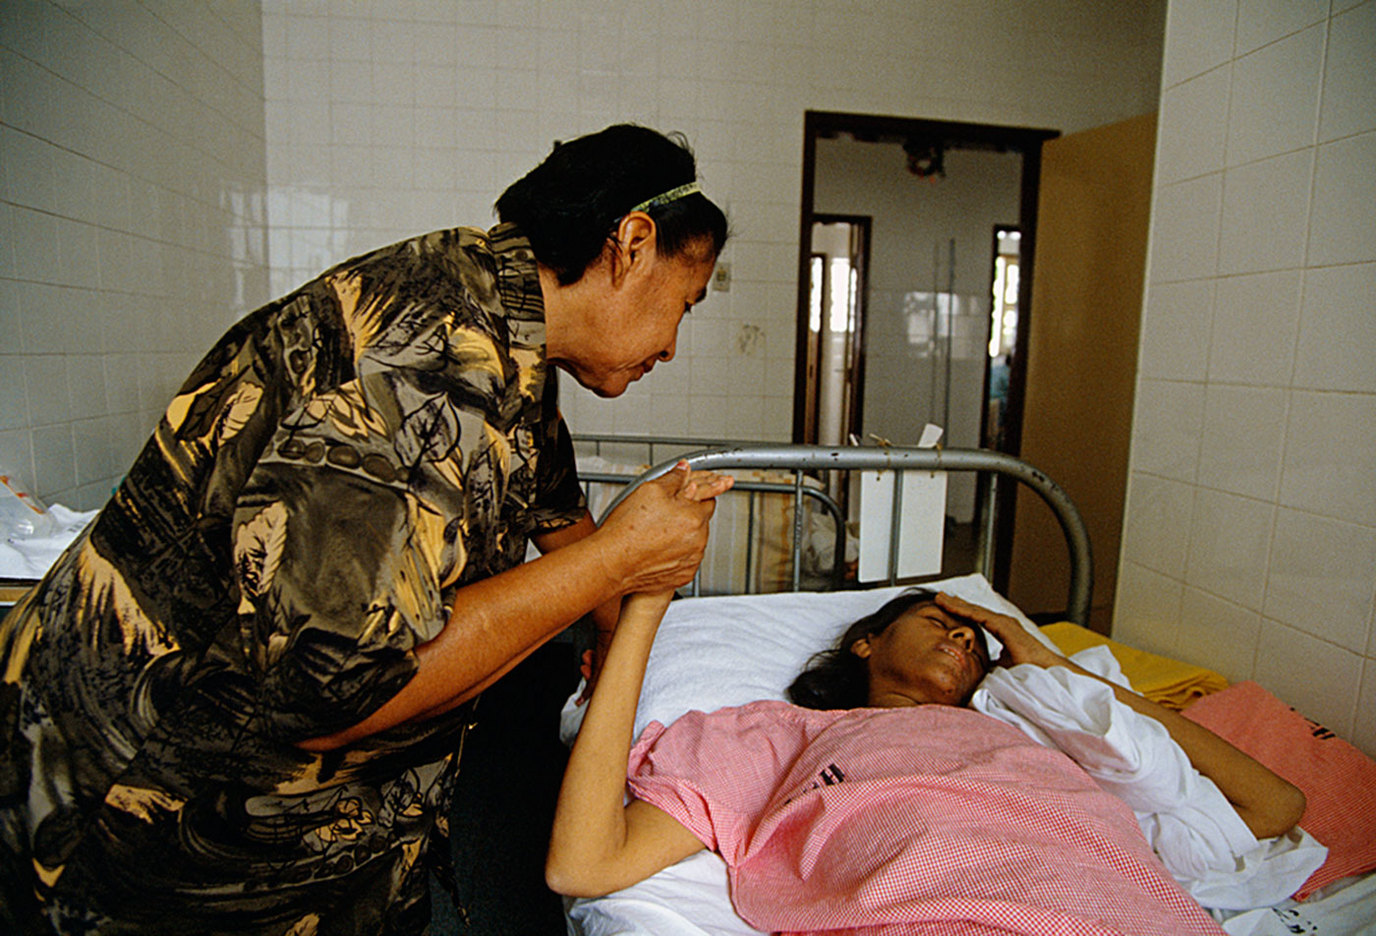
x=656 y=537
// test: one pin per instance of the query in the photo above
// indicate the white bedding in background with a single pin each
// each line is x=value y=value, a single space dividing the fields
x=29 y=557
x=724 y=651
x=1344 y=908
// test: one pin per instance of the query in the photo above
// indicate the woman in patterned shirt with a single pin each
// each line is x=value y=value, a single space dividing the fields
x=236 y=704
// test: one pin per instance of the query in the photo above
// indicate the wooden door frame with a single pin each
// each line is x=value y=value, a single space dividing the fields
x=865 y=224
x=1028 y=143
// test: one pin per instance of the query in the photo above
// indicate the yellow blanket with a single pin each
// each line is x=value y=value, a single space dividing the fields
x=1168 y=682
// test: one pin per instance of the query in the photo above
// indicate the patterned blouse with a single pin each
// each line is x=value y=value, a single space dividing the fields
x=341 y=463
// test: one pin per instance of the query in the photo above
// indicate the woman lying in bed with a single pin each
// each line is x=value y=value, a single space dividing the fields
x=910 y=810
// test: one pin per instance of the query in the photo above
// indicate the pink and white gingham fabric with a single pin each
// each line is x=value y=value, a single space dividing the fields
x=926 y=820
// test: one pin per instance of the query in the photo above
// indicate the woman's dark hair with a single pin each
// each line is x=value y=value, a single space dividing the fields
x=837 y=678
x=568 y=206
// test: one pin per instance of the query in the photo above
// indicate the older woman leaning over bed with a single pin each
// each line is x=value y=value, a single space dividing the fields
x=909 y=814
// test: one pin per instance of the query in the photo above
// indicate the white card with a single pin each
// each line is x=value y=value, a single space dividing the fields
x=922 y=530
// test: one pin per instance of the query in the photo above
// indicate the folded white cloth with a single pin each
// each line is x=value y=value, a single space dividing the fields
x=1190 y=824
x=29 y=557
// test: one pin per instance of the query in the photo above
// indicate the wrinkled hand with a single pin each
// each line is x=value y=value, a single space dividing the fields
x=657 y=535
x=1018 y=645
x=684 y=487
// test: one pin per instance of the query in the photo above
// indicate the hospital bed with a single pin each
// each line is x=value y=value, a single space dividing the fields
x=726 y=650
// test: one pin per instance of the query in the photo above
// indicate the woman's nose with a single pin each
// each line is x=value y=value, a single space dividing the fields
x=965 y=634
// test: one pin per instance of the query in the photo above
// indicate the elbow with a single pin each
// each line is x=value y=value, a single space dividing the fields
x=571 y=879
x=1281 y=813
x=1292 y=808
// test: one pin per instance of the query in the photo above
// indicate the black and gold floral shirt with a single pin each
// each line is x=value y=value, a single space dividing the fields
x=342 y=462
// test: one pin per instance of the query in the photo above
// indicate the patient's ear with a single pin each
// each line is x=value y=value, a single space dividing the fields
x=862 y=648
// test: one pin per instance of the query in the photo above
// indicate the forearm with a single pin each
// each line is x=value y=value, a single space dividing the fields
x=603 y=617
x=597 y=845
x=652 y=542
x=496 y=623
x=1267 y=803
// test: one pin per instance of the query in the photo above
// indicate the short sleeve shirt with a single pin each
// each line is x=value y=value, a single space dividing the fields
x=333 y=472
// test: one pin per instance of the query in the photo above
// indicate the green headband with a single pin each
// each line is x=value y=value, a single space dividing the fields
x=674 y=194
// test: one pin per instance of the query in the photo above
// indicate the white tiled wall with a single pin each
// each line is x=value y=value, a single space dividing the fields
x=1250 y=535
x=385 y=119
x=137 y=138
x=131 y=221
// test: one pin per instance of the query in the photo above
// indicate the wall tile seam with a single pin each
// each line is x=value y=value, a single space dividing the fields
x=1226 y=64
x=211 y=60
x=188 y=302
x=1279 y=154
x=1357 y=655
x=1343 y=521
x=94 y=158
x=1318 y=102
x=1297 y=268
x=253 y=28
x=1275 y=503
x=255 y=94
x=1192 y=177
x=1322 y=20
x=182 y=243
x=255 y=132
x=1287 y=386
x=1325 y=143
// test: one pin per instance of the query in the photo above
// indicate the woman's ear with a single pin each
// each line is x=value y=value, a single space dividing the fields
x=635 y=242
x=862 y=648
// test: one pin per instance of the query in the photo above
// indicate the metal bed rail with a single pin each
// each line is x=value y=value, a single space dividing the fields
x=648 y=443
x=681 y=445
x=818 y=458
x=801 y=495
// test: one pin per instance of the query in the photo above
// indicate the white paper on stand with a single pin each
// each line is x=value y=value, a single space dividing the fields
x=921 y=531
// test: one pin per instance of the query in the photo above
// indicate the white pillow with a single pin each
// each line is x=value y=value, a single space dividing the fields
x=715 y=652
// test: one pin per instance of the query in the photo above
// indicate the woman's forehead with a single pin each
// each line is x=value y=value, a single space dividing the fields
x=932 y=610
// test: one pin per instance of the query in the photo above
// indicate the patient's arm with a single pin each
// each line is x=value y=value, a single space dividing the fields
x=1269 y=804
x=598 y=845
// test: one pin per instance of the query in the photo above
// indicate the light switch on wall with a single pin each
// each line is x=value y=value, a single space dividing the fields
x=721 y=278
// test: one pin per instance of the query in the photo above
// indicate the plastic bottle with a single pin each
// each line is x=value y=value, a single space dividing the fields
x=21 y=514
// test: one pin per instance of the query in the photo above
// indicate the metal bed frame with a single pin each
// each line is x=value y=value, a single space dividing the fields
x=801 y=460
x=685 y=446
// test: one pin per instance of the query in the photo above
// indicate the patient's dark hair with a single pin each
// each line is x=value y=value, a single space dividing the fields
x=837 y=678
x=569 y=205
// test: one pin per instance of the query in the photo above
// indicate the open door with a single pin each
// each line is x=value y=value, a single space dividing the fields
x=836 y=321
x=932 y=191
x=1082 y=356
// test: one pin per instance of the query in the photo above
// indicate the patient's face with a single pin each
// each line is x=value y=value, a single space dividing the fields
x=926 y=656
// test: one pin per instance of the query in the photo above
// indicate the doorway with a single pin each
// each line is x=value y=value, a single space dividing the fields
x=931 y=193
x=835 y=365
